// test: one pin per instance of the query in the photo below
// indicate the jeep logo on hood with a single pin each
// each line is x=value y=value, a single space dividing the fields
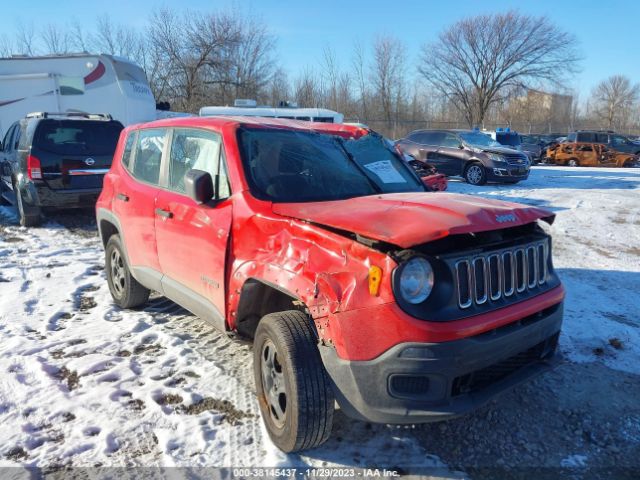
x=509 y=217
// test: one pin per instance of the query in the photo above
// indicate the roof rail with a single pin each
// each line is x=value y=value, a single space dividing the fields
x=88 y=116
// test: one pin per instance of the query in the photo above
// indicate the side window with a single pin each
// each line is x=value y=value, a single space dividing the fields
x=450 y=141
x=617 y=140
x=6 y=142
x=16 y=137
x=200 y=150
x=71 y=85
x=146 y=166
x=128 y=148
x=427 y=138
x=572 y=137
x=10 y=139
x=589 y=137
x=602 y=138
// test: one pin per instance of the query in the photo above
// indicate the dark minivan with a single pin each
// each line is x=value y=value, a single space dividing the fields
x=470 y=154
x=52 y=160
x=613 y=140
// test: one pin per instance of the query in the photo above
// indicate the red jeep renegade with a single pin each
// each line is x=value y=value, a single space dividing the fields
x=319 y=243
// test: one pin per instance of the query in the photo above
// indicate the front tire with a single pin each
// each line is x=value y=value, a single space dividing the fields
x=293 y=388
x=475 y=174
x=573 y=162
x=125 y=290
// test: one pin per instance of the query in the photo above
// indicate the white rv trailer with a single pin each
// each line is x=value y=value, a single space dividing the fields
x=248 y=108
x=70 y=83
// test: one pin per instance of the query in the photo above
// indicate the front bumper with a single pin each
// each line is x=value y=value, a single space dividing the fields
x=508 y=173
x=427 y=382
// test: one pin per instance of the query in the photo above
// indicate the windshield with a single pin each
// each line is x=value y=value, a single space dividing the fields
x=477 y=139
x=296 y=166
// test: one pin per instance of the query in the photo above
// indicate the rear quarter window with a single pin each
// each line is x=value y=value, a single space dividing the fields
x=128 y=148
x=77 y=137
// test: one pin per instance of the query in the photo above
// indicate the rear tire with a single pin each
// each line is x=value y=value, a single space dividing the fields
x=475 y=174
x=29 y=216
x=126 y=291
x=293 y=388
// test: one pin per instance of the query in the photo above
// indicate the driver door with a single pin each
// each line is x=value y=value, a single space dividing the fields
x=192 y=238
x=451 y=156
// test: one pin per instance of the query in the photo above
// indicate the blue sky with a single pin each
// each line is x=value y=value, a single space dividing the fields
x=607 y=32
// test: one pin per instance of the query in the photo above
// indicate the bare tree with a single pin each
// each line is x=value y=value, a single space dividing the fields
x=330 y=77
x=306 y=89
x=193 y=49
x=116 y=39
x=78 y=40
x=279 y=89
x=25 y=36
x=245 y=64
x=388 y=75
x=478 y=58
x=6 y=46
x=54 y=39
x=358 y=62
x=613 y=100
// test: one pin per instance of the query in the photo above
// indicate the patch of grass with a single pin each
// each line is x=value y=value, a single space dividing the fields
x=16 y=453
x=70 y=377
x=231 y=414
x=168 y=399
x=136 y=404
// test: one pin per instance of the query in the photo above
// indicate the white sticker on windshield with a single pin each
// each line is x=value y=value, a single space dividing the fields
x=386 y=172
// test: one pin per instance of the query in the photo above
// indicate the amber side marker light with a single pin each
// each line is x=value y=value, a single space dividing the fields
x=375 y=277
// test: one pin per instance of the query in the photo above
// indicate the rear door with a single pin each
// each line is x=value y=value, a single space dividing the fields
x=135 y=191
x=192 y=238
x=427 y=146
x=75 y=154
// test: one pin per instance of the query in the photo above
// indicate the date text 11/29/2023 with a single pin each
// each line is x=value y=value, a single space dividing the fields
x=320 y=472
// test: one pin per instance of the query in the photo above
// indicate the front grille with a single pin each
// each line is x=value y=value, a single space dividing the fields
x=491 y=276
x=475 y=381
x=515 y=158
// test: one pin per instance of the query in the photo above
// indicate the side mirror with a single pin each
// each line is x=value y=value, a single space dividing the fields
x=198 y=185
x=461 y=146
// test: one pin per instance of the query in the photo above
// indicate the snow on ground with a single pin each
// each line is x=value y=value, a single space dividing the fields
x=84 y=383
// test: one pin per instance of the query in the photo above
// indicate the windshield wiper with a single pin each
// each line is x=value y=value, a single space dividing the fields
x=362 y=170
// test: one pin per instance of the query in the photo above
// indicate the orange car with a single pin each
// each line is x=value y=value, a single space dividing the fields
x=577 y=154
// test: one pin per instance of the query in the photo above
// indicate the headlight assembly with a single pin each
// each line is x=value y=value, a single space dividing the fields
x=415 y=281
x=497 y=158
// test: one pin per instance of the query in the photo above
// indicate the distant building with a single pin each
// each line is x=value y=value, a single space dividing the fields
x=554 y=106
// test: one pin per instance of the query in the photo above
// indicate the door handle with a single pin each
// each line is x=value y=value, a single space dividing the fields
x=164 y=213
x=123 y=197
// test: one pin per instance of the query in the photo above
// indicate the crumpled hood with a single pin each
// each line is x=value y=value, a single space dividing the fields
x=408 y=219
